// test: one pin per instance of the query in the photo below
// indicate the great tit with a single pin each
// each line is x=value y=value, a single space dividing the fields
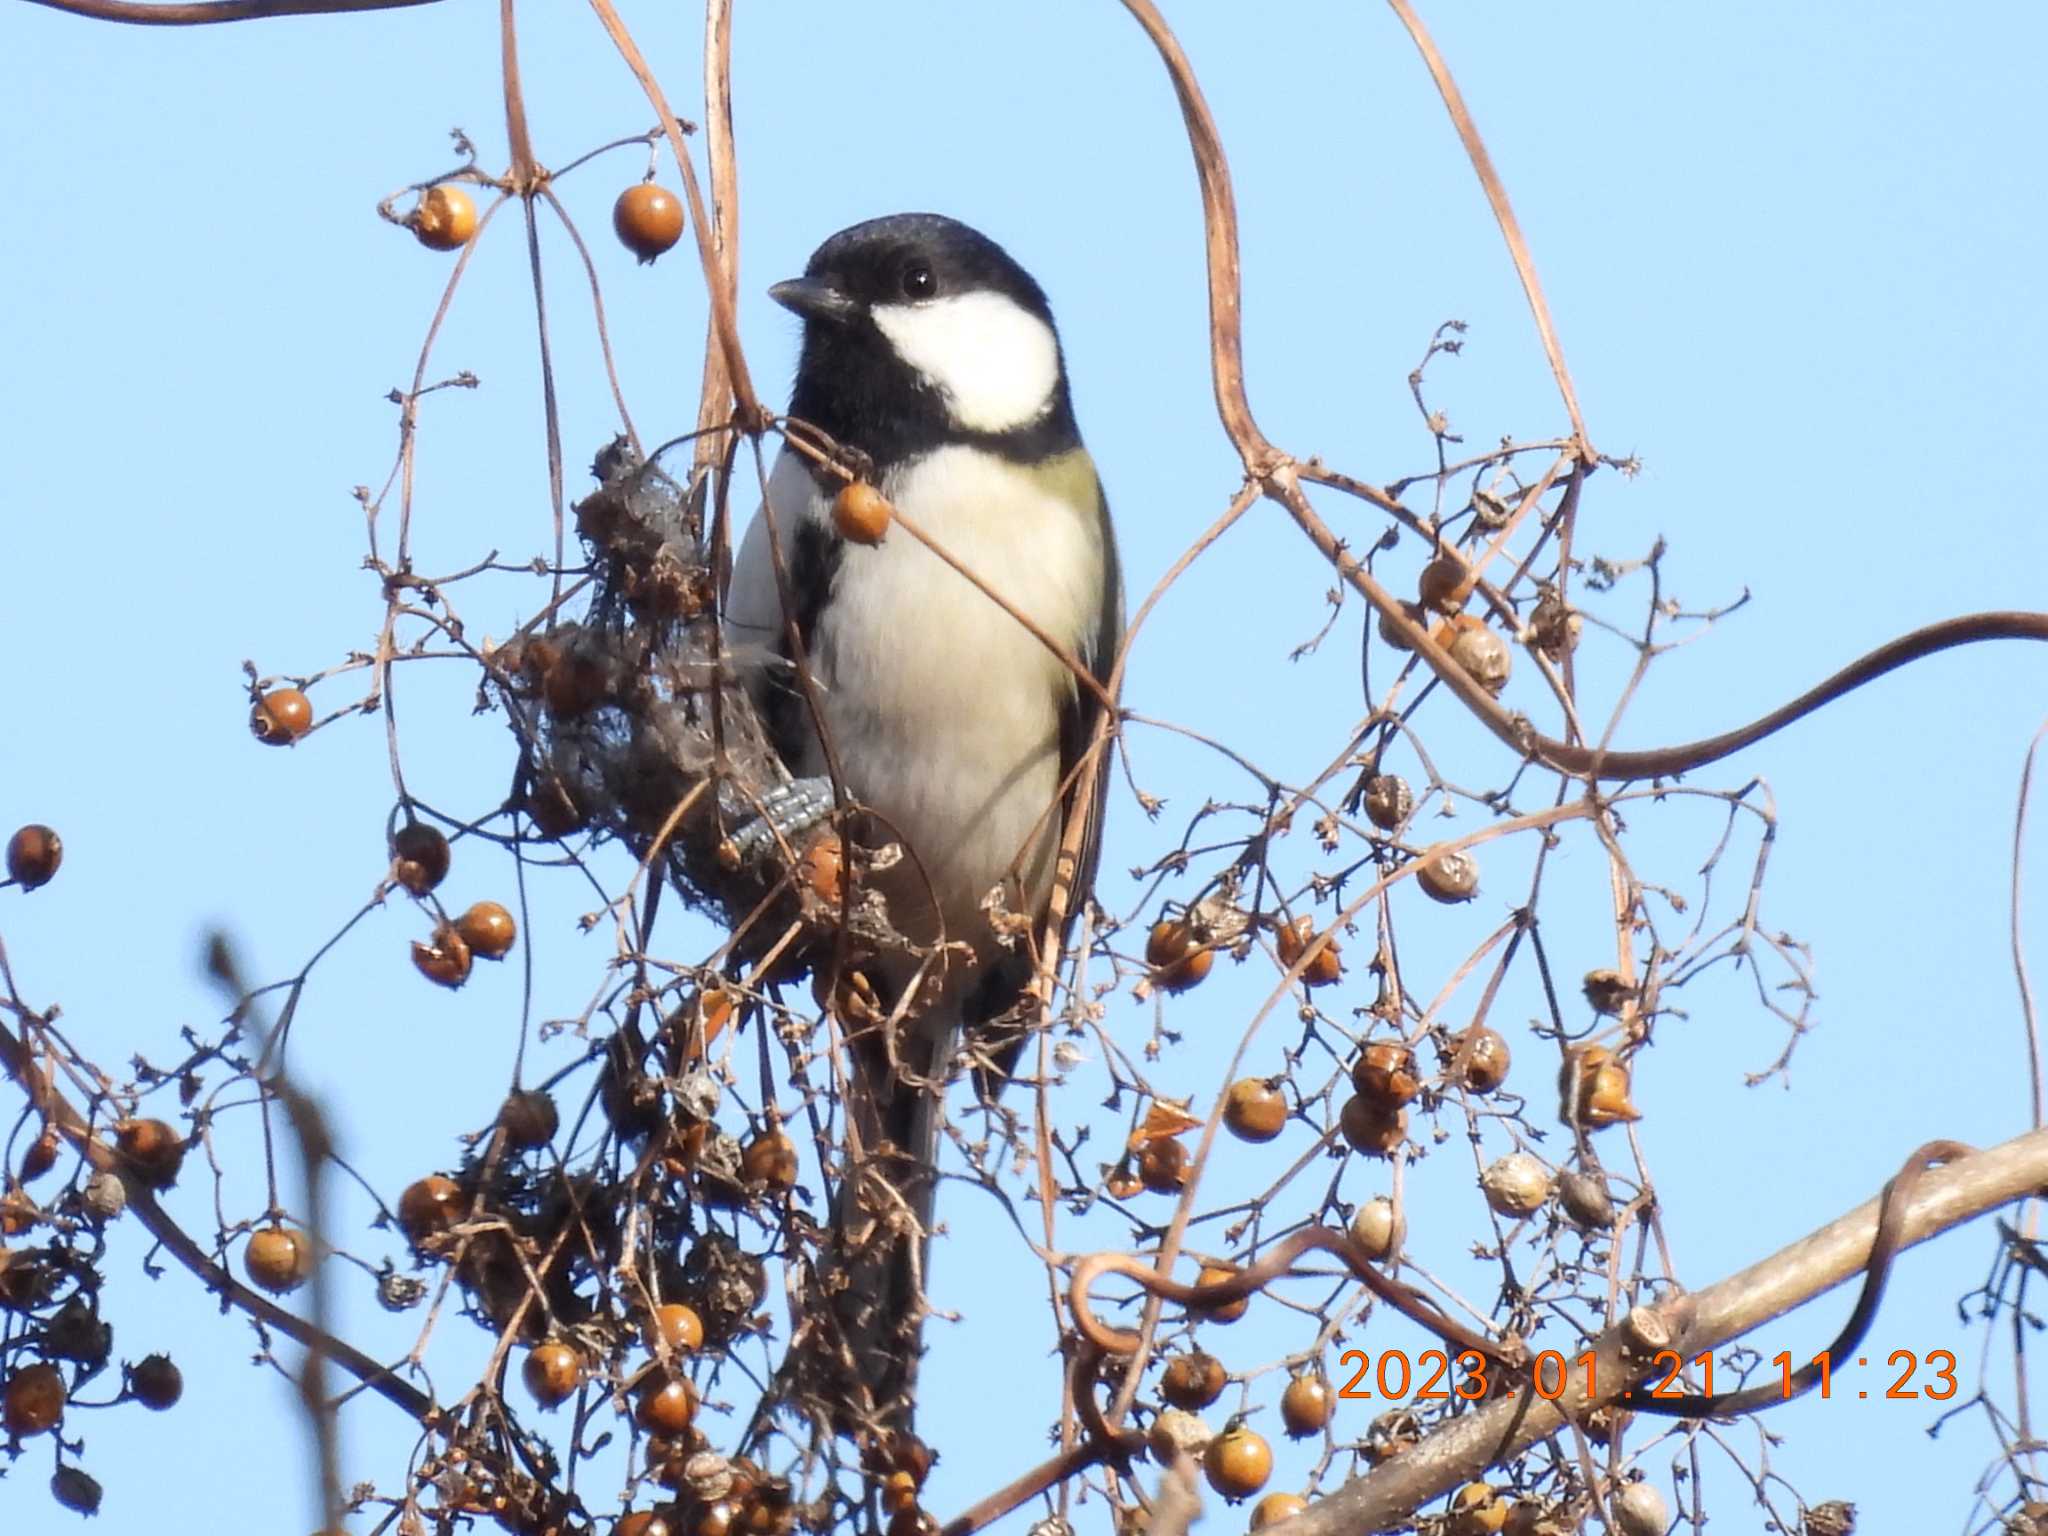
x=929 y=350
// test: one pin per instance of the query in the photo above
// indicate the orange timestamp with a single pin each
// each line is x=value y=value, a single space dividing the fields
x=1392 y=1374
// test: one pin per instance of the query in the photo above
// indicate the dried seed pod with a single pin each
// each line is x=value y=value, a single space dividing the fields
x=1586 y=1199
x=1378 y=1228
x=156 y=1382
x=429 y=1206
x=1516 y=1185
x=1388 y=801
x=1592 y=1089
x=154 y=1151
x=1176 y=1432
x=1255 y=1109
x=32 y=1402
x=33 y=854
x=1391 y=1433
x=419 y=857
x=1163 y=1166
x=1476 y=1510
x=1178 y=958
x=1192 y=1381
x=76 y=1489
x=1535 y=1517
x=1394 y=637
x=1480 y=1058
x=1554 y=627
x=861 y=513
x=770 y=1159
x=1445 y=583
x=530 y=1119
x=41 y=1155
x=1607 y=991
x=1385 y=1076
x=444 y=959
x=1292 y=941
x=1372 y=1129
x=1447 y=874
x=821 y=868
x=1482 y=654
x=1640 y=1510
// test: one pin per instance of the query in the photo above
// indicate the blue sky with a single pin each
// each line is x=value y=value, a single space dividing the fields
x=1793 y=258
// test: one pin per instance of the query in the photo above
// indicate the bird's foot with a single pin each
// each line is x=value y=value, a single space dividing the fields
x=783 y=815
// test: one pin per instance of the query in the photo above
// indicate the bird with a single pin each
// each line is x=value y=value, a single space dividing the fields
x=930 y=357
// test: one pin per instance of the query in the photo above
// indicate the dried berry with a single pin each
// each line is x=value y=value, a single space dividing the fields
x=1254 y=1109
x=419 y=857
x=33 y=854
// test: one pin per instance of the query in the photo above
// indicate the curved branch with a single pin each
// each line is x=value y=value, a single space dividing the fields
x=59 y=1111
x=1503 y=214
x=1465 y=1447
x=1279 y=478
x=200 y=13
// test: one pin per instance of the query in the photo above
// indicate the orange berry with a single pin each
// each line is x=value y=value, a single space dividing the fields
x=861 y=513
x=154 y=1151
x=1275 y=1507
x=1192 y=1381
x=1178 y=959
x=281 y=717
x=488 y=930
x=678 y=1326
x=1225 y=1311
x=667 y=1404
x=429 y=1206
x=1384 y=1075
x=552 y=1372
x=1238 y=1463
x=1254 y=1109
x=1307 y=1405
x=648 y=219
x=278 y=1258
x=444 y=219
x=1163 y=1166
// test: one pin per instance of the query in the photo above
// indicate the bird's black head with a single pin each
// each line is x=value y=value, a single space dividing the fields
x=920 y=332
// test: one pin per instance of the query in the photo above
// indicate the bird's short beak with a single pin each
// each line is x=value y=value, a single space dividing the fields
x=814 y=299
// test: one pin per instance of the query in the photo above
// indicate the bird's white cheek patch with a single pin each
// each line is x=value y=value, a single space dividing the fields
x=996 y=363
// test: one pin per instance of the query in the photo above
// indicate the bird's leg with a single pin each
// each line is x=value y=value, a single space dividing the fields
x=785 y=814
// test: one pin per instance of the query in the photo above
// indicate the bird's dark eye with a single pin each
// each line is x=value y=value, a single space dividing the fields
x=918 y=282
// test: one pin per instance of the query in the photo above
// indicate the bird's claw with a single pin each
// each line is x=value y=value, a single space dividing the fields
x=783 y=815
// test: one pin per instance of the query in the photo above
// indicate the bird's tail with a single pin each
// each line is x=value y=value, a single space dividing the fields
x=882 y=1216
